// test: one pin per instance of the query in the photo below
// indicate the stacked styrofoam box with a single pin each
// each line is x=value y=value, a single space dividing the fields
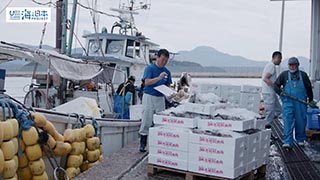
x=235 y=125
x=206 y=109
x=218 y=156
x=264 y=146
x=205 y=88
x=251 y=89
x=250 y=97
x=175 y=121
x=253 y=150
x=168 y=146
x=231 y=93
x=259 y=124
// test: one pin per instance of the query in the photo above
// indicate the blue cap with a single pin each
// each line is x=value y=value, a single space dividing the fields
x=293 y=60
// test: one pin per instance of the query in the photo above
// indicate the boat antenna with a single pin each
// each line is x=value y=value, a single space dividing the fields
x=127 y=9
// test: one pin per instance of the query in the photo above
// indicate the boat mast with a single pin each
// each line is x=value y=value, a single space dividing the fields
x=58 y=24
x=61 y=40
x=73 y=17
x=64 y=26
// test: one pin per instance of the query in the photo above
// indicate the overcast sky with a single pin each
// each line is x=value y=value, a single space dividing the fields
x=249 y=28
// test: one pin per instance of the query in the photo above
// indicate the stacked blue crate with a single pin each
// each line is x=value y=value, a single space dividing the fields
x=313 y=118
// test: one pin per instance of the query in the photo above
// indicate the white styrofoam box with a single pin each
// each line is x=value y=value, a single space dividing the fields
x=261 y=162
x=250 y=101
x=236 y=141
x=251 y=166
x=236 y=125
x=205 y=88
x=213 y=171
x=253 y=147
x=265 y=135
x=206 y=109
x=231 y=93
x=264 y=155
x=251 y=89
x=225 y=89
x=135 y=112
x=168 y=162
x=233 y=98
x=255 y=165
x=175 y=121
x=265 y=143
x=169 y=137
x=254 y=140
x=168 y=153
x=259 y=124
x=217 y=157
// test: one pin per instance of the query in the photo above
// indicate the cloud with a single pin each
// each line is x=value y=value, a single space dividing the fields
x=248 y=28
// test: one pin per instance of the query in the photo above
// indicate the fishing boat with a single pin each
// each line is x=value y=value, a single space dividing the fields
x=80 y=88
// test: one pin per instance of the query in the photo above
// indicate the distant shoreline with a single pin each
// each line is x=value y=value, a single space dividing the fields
x=218 y=75
x=174 y=74
x=21 y=74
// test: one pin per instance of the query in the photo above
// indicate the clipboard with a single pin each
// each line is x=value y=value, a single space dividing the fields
x=165 y=90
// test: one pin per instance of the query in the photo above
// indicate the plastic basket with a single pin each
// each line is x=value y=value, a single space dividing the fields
x=313 y=121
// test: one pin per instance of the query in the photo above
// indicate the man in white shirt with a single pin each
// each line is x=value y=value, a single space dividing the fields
x=271 y=102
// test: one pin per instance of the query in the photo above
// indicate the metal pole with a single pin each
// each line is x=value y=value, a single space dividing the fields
x=281 y=25
x=59 y=25
x=64 y=26
x=73 y=17
x=47 y=84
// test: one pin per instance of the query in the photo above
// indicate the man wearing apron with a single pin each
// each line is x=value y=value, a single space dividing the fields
x=292 y=85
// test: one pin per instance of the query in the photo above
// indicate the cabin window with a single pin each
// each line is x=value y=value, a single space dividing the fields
x=94 y=46
x=114 y=47
x=133 y=49
x=130 y=48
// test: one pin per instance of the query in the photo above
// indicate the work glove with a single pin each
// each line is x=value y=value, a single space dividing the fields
x=313 y=104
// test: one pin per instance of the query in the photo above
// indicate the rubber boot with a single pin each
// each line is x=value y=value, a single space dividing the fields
x=143 y=143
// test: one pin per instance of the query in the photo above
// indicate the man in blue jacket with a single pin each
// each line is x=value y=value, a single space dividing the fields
x=155 y=74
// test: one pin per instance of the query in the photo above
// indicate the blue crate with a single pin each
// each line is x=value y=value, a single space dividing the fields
x=313 y=118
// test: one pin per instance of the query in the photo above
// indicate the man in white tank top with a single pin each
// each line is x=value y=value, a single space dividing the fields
x=271 y=102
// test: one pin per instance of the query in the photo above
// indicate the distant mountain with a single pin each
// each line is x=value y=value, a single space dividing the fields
x=208 y=56
x=14 y=65
x=185 y=66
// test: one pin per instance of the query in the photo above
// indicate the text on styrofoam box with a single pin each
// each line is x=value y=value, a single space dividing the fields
x=168 y=144
x=168 y=134
x=210 y=160
x=209 y=170
x=172 y=121
x=167 y=162
x=212 y=124
x=211 y=140
x=167 y=153
x=210 y=150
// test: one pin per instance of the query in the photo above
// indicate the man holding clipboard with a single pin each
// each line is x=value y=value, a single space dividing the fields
x=153 y=101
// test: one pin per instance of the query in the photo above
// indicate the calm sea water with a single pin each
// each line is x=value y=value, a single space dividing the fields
x=18 y=86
